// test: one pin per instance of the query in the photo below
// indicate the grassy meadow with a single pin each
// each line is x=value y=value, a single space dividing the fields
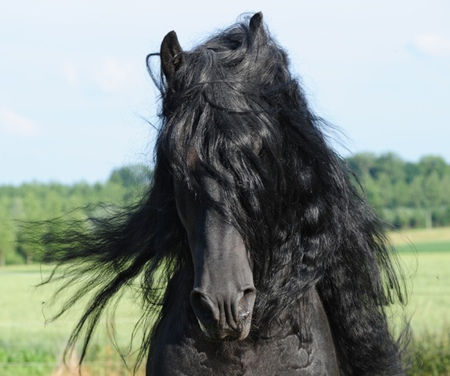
x=425 y=258
x=30 y=346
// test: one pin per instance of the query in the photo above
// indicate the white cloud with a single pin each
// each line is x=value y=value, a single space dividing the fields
x=71 y=74
x=108 y=74
x=433 y=45
x=17 y=124
x=114 y=75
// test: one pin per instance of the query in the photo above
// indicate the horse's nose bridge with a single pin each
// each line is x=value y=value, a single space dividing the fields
x=223 y=294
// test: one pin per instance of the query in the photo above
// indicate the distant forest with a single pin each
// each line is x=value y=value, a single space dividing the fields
x=406 y=195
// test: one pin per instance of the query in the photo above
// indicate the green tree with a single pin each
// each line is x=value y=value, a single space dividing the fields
x=428 y=194
x=401 y=190
x=7 y=233
x=432 y=164
x=131 y=176
x=391 y=166
x=362 y=165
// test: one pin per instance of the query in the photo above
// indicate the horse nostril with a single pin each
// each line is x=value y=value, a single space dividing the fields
x=249 y=291
x=203 y=308
x=246 y=303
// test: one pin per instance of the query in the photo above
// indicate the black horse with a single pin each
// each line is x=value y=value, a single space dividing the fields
x=253 y=246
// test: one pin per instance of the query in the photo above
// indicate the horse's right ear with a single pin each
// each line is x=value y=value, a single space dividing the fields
x=256 y=22
x=172 y=57
x=257 y=28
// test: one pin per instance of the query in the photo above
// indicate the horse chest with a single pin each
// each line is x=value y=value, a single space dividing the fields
x=185 y=352
x=180 y=349
x=282 y=357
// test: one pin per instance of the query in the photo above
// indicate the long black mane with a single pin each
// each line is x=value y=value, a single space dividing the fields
x=235 y=113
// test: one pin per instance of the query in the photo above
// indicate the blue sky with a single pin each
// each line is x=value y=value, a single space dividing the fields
x=74 y=91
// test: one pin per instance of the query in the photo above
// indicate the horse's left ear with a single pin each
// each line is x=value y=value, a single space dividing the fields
x=172 y=57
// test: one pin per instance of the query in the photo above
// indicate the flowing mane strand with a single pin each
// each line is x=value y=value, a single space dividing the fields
x=234 y=113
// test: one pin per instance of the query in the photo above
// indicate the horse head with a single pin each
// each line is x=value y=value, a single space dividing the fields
x=223 y=293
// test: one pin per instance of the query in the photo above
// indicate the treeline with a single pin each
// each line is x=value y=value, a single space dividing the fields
x=407 y=195
x=24 y=206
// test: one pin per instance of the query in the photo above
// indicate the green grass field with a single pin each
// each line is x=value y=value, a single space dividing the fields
x=29 y=346
x=425 y=258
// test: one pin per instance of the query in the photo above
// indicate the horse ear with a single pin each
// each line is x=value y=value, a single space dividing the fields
x=172 y=57
x=256 y=22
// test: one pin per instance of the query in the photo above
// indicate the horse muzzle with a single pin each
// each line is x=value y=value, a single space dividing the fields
x=223 y=318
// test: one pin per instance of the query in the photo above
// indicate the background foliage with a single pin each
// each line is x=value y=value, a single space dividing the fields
x=405 y=194
x=20 y=205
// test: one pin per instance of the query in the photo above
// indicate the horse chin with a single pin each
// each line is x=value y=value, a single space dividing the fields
x=226 y=335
